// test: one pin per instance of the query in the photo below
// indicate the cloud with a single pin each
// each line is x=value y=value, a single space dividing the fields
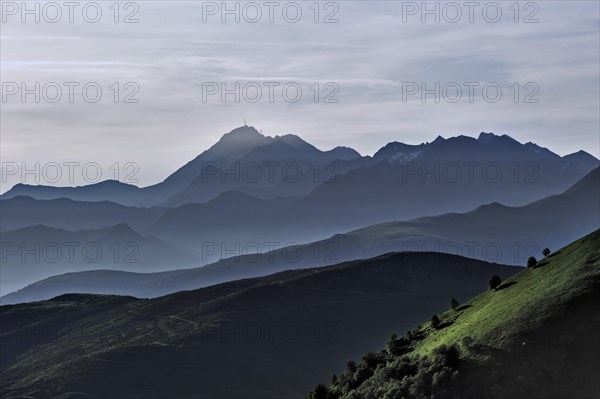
x=369 y=54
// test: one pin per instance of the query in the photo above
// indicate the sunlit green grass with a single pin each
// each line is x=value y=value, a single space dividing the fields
x=497 y=318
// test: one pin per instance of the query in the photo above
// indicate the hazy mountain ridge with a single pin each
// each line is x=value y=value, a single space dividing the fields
x=108 y=190
x=32 y=252
x=239 y=217
x=65 y=213
x=517 y=232
x=245 y=145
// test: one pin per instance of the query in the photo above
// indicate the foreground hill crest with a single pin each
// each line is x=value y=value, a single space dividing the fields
x=532 y=336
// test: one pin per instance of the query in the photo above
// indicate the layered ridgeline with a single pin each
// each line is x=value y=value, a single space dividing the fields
x=533 y=335
x=267 y=167
x=287 y=190
x=210 y=173
x=493 y=232
x=214 y=202
x=32 y=252
x=263 y=338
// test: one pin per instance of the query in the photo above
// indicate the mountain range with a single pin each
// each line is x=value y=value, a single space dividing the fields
x=221 y=168
x=254 y=188
x=269 y=167
x=492 y=232
x=260 y=267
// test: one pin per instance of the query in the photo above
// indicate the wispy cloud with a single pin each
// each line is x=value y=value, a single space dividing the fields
x=369 y=53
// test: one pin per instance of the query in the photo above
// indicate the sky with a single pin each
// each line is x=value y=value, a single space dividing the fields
x=352 y=73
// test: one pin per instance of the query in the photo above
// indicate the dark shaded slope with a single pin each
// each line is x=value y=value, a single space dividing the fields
x=270 y=337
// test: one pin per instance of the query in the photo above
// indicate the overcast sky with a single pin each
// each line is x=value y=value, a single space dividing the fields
x=373 y=58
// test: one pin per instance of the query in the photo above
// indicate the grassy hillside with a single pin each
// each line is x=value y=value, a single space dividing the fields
x=535 y=336
x=524 y=301
x=272 y=337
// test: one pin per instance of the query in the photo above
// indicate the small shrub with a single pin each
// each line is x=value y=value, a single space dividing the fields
x=435 y=321
x=546 y=252
x=454 y=304
x=495 y=282
x=531 y=262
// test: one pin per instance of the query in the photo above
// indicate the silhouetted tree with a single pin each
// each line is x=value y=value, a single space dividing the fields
x=454 y=304
x=392 y=344
x=320 y=392
x=351 y=366
x=495 y=282
x=532 y=262
x=435 y=321
x=546 y=251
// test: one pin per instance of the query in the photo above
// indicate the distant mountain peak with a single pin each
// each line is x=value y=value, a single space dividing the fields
x=582 y=153
x=582 y=158
x=242 y=136
x=110 y=182
x=539 y=150
x=242 y=132
x=235 y=144
x=294 y=141
x=485 y=138
x=396 y=151
x=496 y=140
x=349 y=152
